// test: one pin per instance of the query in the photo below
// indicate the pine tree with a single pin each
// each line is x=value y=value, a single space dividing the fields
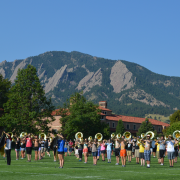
x=145 y=127
x=27 y=109
x=120 y=127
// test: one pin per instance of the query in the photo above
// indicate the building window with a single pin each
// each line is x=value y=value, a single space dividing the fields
x=159 y=129
x=113 y=125
x=127 y=126
x=108 y=124
x=102 y=117
x=104 y=112
x=134 y=127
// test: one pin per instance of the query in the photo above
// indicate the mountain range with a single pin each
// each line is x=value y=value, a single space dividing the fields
x=129 y=88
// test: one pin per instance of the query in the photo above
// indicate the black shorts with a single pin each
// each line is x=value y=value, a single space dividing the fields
x=154 y=149
x=103 y=152
x=28 y=150
x=117 y=151
x=60 y=152
x=54 y=149
x=48 y=149
x=175 y=153
x=161 y=153
x=36 y=148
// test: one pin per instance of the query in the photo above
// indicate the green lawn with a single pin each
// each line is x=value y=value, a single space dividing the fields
x=73 y=169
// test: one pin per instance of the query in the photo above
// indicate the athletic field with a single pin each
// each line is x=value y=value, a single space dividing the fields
x=46 y=169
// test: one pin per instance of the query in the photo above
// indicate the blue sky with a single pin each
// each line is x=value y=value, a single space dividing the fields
x=144 y=32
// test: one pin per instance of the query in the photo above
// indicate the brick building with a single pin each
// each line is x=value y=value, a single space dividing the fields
x=131 y=124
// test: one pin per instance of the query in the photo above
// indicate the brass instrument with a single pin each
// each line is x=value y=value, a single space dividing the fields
x=99 y=136
x=79 y=135
x=42 y=136
x=11 y=134
x=127 y=135
x=150 y=133
x=113 y=135
x=118 y=136
x=90 y=138
x=176 y=134
x=142 y=135
x=51 y=139
x=23 y=134
x=166 y=137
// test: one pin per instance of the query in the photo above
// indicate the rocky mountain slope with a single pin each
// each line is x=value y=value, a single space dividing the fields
x=129 y=88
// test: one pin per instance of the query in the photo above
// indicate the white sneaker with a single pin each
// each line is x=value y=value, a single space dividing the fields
x=162 y=164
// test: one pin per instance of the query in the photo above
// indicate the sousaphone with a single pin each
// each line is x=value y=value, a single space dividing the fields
x=79 y=135
x=99 y=136
x=176 y=134
x=127 y=135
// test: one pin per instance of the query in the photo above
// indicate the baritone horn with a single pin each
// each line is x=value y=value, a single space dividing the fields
x=99 y=136
x=42 y=136
x=127 y=135
x=79 y=135
x=176 y=134
x=90 y=138
x=113 y=135
x=118 y=136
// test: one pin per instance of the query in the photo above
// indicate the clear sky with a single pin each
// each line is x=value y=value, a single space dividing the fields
x=140 y=31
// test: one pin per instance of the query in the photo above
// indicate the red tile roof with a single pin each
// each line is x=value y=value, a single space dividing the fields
x=134 y=120
x=104 y=109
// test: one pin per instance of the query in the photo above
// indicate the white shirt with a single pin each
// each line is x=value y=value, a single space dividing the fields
x=170 y=146
x=8 y=144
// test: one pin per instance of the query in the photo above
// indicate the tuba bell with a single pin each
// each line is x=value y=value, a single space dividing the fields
x=113 y=135
x=42 y=136
x=150 y=133
x=99 y=136
x=127 y=135
x=176 y=134
x=79 y=135
x=23 y=134
x=166 y=137
x=118 y=136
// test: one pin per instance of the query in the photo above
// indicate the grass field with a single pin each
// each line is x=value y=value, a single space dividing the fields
x=46 y=169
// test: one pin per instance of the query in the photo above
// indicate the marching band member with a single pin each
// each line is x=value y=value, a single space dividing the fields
x=137 y=150
x=109 y=148
x=103 y=150
x=117 y=150
x=162 y=149
x=147 y=152
x=60 y=149
x=123 y=153
x=94 y=151
x=170 y=150
x=85 y=151
x=8 y=141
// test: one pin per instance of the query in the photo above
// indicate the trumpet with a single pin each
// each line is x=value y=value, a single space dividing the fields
x=42 y=136
x=113 y=135
x=118 y=136
x=127 y=135
x=79 y=135
x=99 y=136
x=90 y=138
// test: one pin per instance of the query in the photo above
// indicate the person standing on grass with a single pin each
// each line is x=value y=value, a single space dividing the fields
x=48 y=149
x=123 y=152
x=70 y=147
x=85 y=151
x=80 y=149
x=76 y=150
x=137 y=150
x=103 y=150
x=157 y=152
x=65 y=147
x=8 y=141
x=36 y=147
x=153 y=148
x=129 y=150
x=109 y=149
x=147 y=151
x=17 y=148
x=29 y=147
x=176 y=150
x=98 y=150
x=141 y=151
x=162 y=149
x=94 y=151
x=23 y=145
x=39 y=149
x=55 y=147
x=42 y=148
x=117 y=151
x=60 y=148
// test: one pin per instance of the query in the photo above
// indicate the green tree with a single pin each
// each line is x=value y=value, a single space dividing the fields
x=5 y=85
x=78 y=115
x=175 y=117
x=120 y=127
x=145 y=127
x=27 y=109
x=175 y=126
